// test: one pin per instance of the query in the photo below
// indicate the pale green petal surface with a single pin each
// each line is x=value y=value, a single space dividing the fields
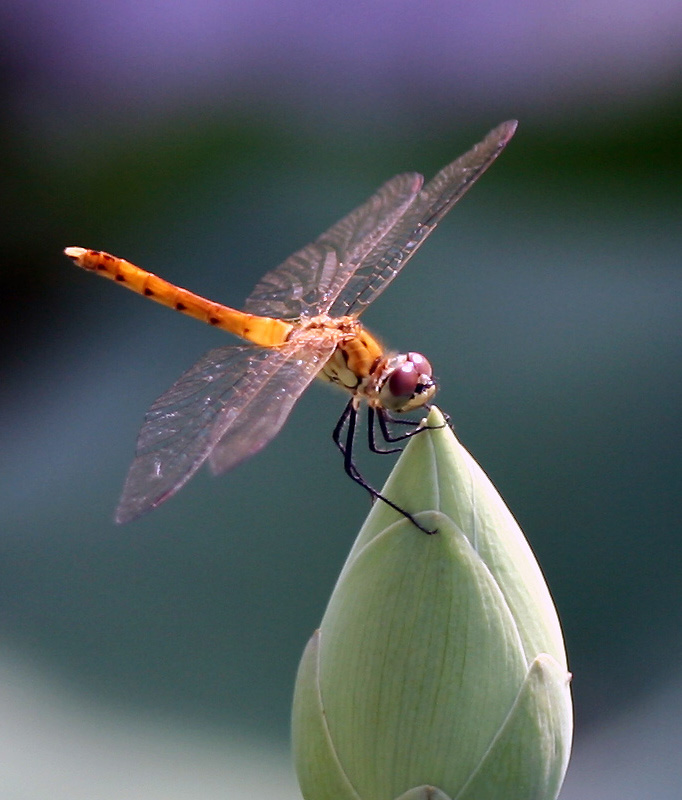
x=439 y=669
x=529 y=756
x=423 y=793
x=316 y=764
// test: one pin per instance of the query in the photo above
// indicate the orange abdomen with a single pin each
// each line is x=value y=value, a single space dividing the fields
x=265 y=331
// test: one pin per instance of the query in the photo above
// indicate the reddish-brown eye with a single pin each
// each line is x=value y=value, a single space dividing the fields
x=421 y=363
x=403 y=381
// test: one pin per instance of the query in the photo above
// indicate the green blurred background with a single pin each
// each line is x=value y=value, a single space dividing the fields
x=207 y=141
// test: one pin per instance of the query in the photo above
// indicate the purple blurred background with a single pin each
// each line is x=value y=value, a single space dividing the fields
x=208 y=140
x=106 y=55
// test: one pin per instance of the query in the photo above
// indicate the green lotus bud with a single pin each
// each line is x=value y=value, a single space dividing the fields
x=439 y=670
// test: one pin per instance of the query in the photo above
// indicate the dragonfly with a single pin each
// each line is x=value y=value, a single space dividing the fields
x=301 y=322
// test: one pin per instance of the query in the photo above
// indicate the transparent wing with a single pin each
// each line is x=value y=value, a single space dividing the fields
x=228 y=406
x=363 y=284
x=261 y=419
x=309 y=280
x=353 y=262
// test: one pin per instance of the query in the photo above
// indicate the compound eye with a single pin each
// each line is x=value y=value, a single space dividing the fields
x=404 y=379
x=421 y=364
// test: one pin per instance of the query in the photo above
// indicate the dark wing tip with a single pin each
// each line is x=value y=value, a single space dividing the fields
x=131 y=506
x=505 y=131
x=128 y=511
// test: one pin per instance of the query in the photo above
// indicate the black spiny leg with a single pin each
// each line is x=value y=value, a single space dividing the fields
x=372 y=417
x=349 y=418
x=338 y=430
x=402 y=421
x=384 y=418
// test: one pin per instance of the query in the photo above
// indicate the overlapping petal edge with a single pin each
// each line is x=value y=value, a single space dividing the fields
x=521 y=748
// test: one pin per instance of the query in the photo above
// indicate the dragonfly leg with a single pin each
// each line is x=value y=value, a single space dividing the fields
x=384 y=418
x=400 y=420
x=372 y=416
x=338 y=428
x=348 y=419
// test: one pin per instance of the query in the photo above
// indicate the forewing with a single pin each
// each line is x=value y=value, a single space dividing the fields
x=308 y=282
x=201 y=411
x=347 y=267
x=367 y=279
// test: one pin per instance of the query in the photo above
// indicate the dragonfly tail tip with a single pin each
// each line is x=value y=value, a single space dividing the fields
x=74 y=252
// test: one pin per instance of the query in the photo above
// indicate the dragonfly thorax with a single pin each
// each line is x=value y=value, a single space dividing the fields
x=357 y=353
x=337 y=371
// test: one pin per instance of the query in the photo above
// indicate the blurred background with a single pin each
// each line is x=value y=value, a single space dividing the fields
x=206 y=141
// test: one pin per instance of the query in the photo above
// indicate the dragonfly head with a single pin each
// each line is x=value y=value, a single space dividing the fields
x=406 y=383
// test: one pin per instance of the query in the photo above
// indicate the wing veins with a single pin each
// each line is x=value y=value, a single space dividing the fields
x=182 y=429
x=401 y=242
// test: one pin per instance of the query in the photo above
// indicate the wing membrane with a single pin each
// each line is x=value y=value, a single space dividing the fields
x=364 y=283
x=349 y=265
x=228 y=406
x=309 y=280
